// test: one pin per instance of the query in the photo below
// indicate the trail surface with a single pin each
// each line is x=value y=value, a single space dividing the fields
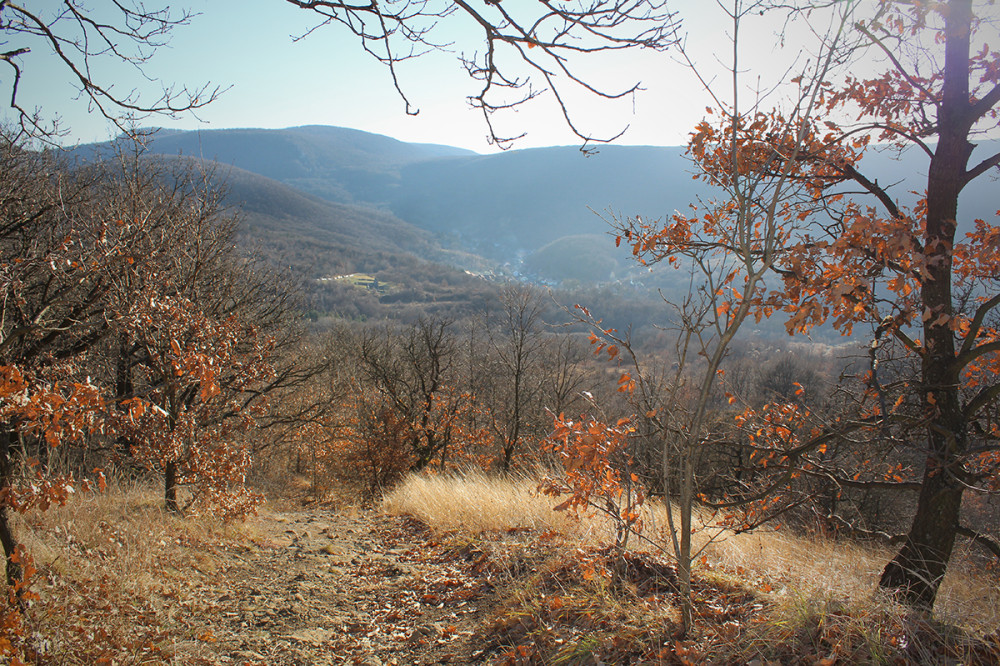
x=323 y=587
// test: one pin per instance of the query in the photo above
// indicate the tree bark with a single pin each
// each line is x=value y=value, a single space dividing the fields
x=170 y=488
x=13 y=569
x=918 y=568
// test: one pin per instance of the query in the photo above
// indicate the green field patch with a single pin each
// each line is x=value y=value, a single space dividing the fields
x=362 y=281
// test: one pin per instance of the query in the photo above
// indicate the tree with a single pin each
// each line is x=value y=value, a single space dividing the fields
x=127 y=317
x=55 y=257
x=728 y=245
x=206 y=329
x=194 y=415
x=927 y=293
x=83 y=39
x=907 y=270
x=515 y=407
x=414 y=375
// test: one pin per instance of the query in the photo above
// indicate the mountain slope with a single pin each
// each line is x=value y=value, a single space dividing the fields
x=339 y=164
x=516 y=202
x=278 y=215
x=497 y=204
x=502 y=206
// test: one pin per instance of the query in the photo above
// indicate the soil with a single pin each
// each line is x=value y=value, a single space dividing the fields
x=321 y=586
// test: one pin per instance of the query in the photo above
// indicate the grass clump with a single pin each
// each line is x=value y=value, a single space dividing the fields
x=475 y=502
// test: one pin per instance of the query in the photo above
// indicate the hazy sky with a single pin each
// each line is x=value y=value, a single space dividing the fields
x=327 y=79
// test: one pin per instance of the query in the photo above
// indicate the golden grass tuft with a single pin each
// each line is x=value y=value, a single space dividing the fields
x=475 y=502
x=812 y=569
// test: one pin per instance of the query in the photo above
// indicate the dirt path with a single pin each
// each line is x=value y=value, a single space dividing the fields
x=321 y=587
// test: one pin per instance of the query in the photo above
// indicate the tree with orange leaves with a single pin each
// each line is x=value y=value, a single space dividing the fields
x=921 y=278
x=52 y=296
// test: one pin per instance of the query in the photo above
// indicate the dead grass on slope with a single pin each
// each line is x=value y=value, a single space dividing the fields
x=475 y=503
x=116 y=578
x=767 y=595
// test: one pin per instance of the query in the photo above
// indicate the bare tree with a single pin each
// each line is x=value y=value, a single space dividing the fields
x=414 y=374
x=523 y=49
x=84 y=40
x=515 y=410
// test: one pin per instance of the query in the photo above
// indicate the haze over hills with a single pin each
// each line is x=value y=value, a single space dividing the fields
x=341 y=199
x=502 y=207
x=338 y=164
x=511 y=204
x=321 y=237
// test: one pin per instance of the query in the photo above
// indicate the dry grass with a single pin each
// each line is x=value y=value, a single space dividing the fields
x=474 y=503
x=801 y=569
x=117 y=577
x=793 y=574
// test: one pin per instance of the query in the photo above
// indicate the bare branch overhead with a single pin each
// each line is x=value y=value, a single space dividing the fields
x=84 y=40
x=524 y=49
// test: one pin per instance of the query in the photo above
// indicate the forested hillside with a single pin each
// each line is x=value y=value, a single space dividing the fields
x=502 y=208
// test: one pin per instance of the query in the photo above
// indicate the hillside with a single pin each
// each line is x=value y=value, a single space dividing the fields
x=503 y=206
x=339 y=164
x=453 y=570
x=316 y=236
x=327 y=201
x=516 y=202
x=559 y=261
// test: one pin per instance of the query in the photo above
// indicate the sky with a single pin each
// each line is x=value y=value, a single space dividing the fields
x=273 y=81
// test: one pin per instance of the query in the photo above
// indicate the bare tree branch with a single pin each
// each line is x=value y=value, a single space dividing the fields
x=517 y=43
x=81 y=43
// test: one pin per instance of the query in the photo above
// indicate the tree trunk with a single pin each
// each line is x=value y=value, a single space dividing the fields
x=124 y=388
x=170 y=488
x=13 y=569
x=918 y=568
x=684 y=560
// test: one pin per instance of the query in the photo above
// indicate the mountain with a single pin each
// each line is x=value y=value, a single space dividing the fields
x=503 y=206
x=513 y=203
x=559 y=261
x=336 y=163
x=547 y=207
x=320 y=236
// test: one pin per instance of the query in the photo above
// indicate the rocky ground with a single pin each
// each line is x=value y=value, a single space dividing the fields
x=323 y=587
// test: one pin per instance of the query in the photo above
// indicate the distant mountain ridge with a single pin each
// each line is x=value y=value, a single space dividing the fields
x=432 y=200
x=336 y=163
x=502 y=206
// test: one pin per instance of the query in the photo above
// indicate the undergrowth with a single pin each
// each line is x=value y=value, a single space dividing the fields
x=771 y=597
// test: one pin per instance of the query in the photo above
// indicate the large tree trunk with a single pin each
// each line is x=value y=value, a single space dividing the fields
x=917 y=570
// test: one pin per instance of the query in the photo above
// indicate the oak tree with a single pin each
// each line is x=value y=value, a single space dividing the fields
x=919 y=277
